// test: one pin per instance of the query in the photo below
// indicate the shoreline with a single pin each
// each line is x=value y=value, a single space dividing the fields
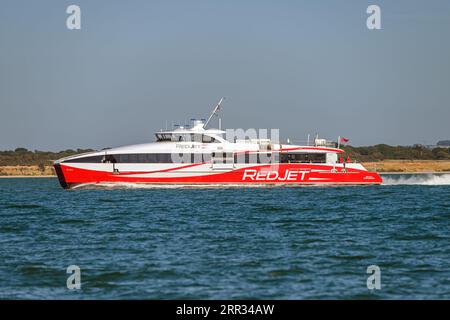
x=29 y=176
x=426 y=172
x=384 y=167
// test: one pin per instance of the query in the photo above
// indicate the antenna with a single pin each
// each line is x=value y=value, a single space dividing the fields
x=214 y=112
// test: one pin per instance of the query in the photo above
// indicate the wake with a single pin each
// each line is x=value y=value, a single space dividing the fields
x=417 y=179
x=388 y=180
x=131 y=185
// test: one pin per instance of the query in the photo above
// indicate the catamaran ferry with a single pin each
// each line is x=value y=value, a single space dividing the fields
x=200 y=156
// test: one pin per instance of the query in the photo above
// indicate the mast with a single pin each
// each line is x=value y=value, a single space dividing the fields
x=214 y=112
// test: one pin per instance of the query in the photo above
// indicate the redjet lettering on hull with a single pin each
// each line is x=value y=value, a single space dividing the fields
x=289 y=175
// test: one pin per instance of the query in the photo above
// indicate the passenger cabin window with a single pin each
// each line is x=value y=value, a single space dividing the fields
x=145 y=158
x=268 y=157
x=256 y=158
x=109 y=159
x=89 y=159
x=303 y=158
x=217 y=157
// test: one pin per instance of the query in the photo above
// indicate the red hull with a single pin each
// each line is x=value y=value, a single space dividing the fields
x=295 y=174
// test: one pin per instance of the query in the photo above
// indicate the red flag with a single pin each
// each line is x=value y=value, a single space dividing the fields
x=344 y=139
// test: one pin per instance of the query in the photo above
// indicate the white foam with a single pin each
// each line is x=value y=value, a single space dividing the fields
x=131 y=185
x=117 y=185
x=417 y=179
x=398 y=179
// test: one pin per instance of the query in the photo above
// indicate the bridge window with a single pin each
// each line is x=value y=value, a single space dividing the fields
x=163 y=137
x=208 y=139
x=185 y=137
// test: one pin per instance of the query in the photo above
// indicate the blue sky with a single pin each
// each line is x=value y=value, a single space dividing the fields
x=301 y=66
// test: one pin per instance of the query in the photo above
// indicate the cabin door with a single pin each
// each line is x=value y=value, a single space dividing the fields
x=109 y=162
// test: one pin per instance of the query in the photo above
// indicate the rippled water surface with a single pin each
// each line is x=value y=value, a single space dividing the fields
x=276 y=243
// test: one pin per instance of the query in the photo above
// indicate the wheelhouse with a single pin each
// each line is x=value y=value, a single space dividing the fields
x=185 y=137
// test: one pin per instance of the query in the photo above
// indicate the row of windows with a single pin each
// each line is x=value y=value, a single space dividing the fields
x=185 y=137
x=303 y=158
x=205 y=157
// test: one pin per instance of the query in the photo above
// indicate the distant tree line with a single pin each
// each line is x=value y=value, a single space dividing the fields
x=24 y=157
x=385 y=152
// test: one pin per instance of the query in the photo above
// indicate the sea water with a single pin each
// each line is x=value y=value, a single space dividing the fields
x=141 y=242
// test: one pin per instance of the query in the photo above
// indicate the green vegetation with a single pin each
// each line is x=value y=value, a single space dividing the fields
x=24 y=157
x=381 y=152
